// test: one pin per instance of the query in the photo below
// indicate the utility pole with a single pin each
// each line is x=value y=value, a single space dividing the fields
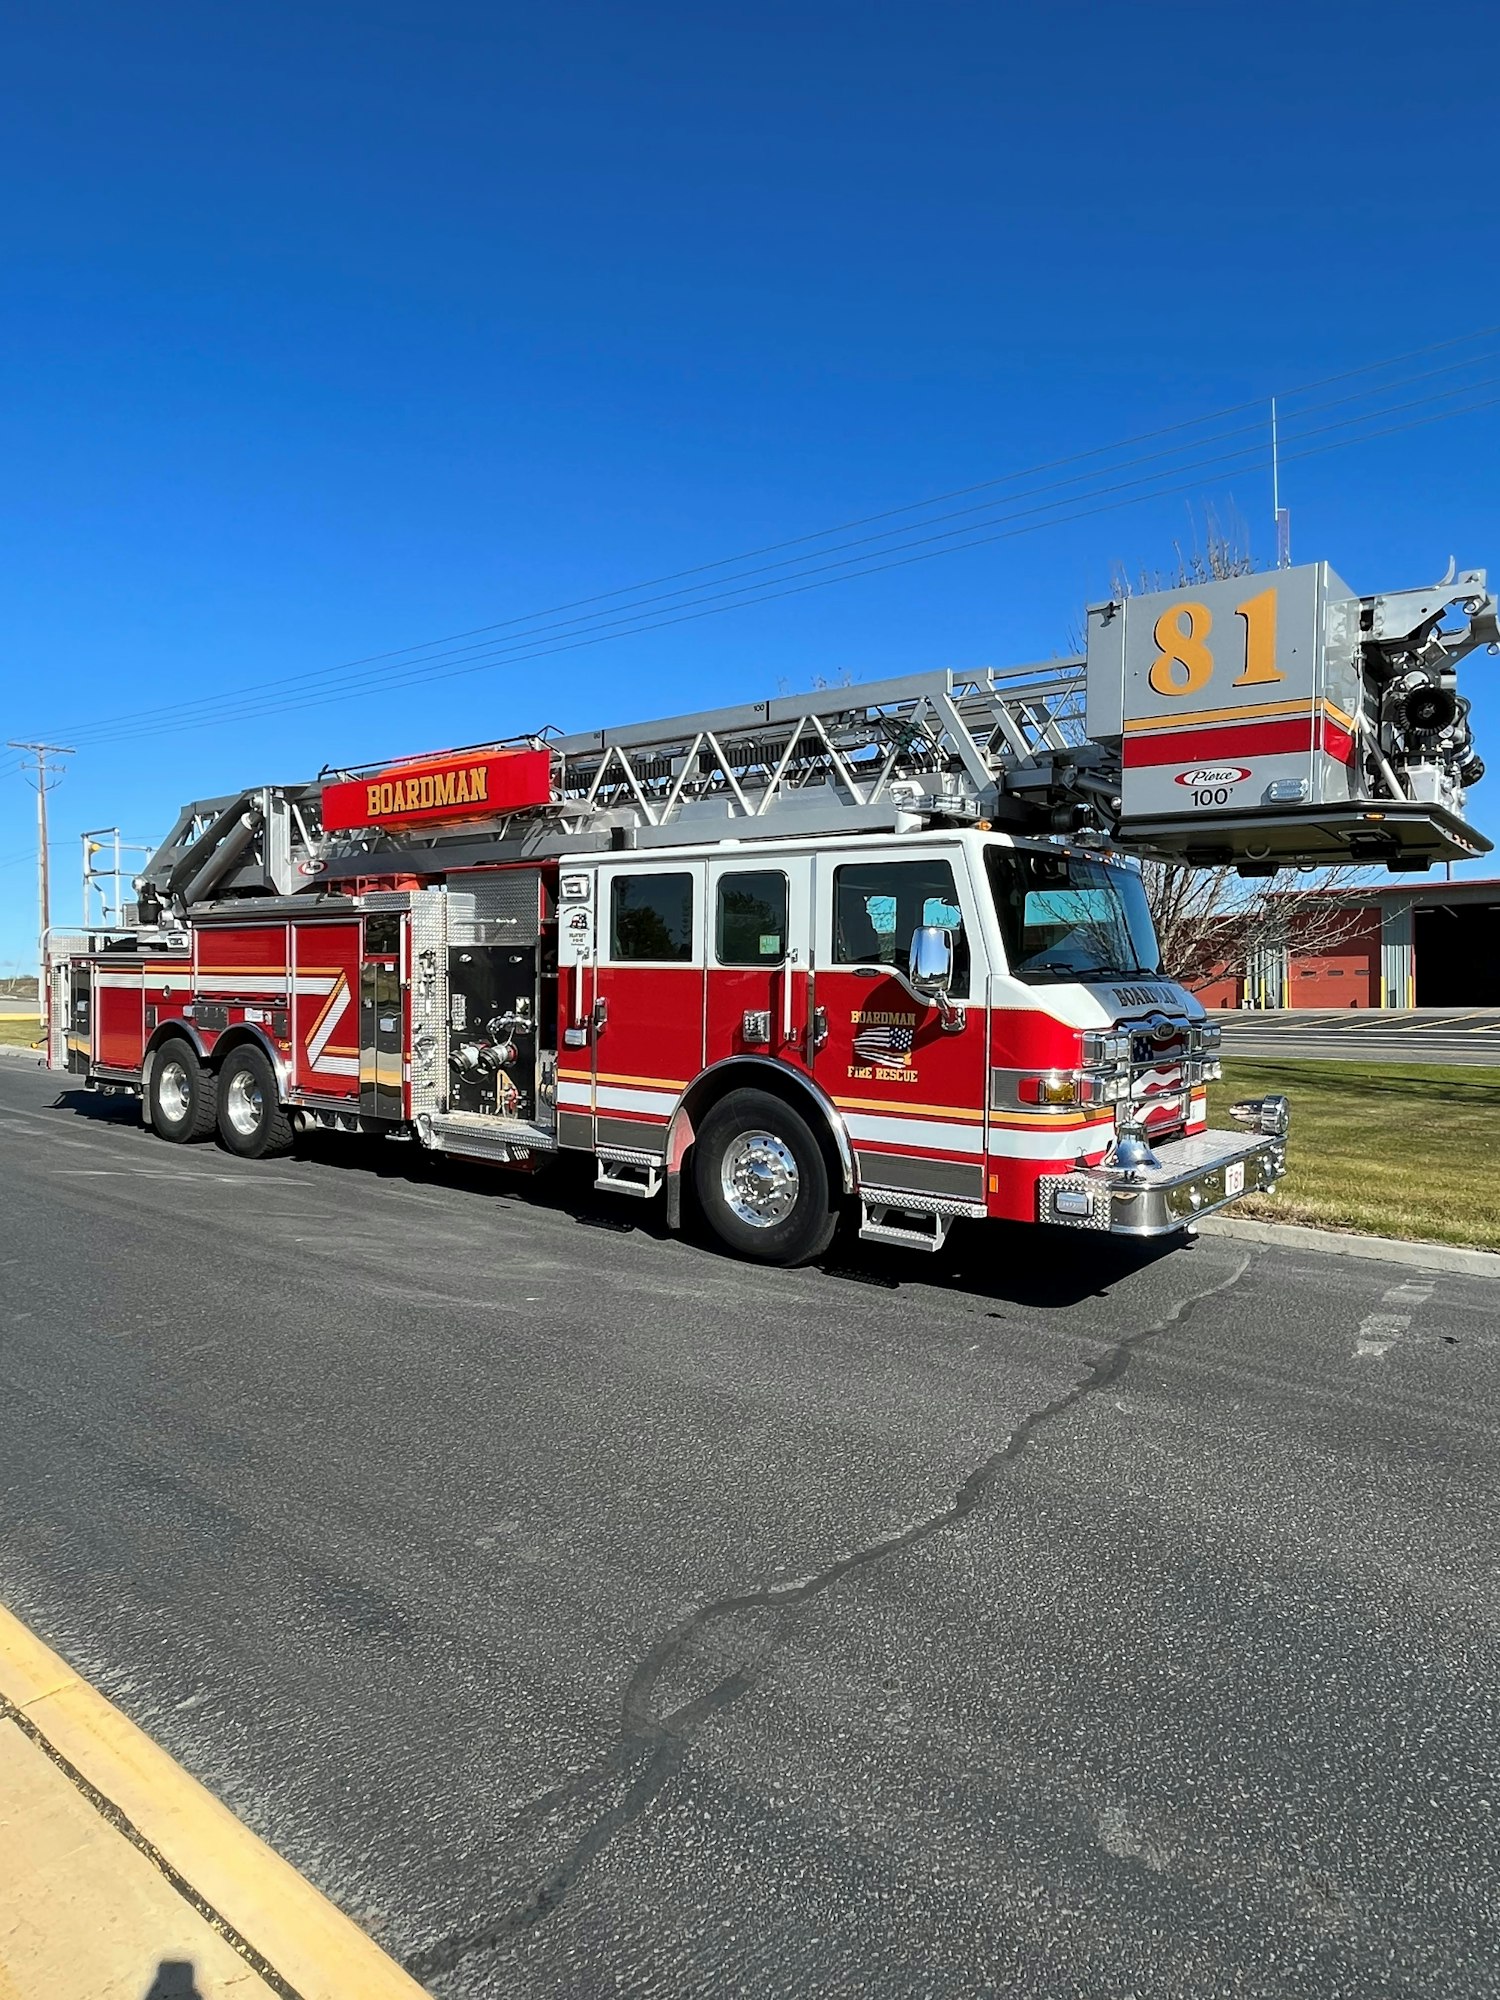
x=36 y=762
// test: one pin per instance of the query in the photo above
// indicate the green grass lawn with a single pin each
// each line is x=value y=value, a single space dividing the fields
x=19 y=1031
x=1390 y=1150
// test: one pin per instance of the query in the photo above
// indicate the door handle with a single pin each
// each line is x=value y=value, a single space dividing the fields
x=599 y=1018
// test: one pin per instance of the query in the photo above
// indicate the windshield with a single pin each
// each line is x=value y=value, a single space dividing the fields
x=1070 y=916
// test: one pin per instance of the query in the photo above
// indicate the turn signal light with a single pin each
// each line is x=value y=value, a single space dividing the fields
x=1054 y=1088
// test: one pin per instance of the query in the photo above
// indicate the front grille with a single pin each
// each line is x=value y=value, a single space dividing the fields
x=1147 y=1052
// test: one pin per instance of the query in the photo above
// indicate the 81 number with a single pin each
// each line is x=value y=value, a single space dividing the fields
x=1184 y=664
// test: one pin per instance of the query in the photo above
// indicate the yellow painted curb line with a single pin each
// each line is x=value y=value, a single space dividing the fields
x=313 y=1950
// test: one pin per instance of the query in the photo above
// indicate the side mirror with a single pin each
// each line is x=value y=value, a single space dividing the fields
x=930 y=963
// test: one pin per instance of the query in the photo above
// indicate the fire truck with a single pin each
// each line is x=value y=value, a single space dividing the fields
x=883 y=950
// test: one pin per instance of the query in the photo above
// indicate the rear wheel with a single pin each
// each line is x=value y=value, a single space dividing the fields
x=762 y=1181
x=181 y=1099
x=252 y=1118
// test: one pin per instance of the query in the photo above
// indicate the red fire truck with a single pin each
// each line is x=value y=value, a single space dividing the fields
x=885 y=949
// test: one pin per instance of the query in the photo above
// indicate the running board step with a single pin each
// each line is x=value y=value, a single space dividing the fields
x=640 y=1175
x=917 y=1229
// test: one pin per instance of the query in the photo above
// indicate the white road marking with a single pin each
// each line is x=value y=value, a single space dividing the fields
x=142 y=1174
x=1378 y=1331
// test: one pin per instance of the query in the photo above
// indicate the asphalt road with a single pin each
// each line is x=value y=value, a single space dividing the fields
x=1466 y=1036
x=591 y=1615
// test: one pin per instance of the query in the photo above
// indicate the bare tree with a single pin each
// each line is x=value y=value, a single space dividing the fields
x=1210 y=922
x=1219 y=549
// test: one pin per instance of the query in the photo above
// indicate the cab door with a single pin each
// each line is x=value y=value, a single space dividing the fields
x=912 y=1092
x=759 y=922
x=647 y=1019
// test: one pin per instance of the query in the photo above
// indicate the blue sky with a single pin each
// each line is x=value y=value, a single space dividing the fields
x=328 y=330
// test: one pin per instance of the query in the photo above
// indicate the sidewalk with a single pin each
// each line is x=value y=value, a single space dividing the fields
x=121 y=1878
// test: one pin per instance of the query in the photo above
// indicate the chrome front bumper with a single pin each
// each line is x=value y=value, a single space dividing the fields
x=1195 y=1176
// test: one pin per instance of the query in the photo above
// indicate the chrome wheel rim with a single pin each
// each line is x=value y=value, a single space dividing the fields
x=244 y=1106
x=174 y=1093
x=759 y=1179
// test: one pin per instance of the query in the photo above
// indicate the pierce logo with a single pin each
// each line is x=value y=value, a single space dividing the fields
x=1213 y=774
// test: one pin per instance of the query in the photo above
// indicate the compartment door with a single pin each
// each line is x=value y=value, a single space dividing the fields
x=73 y=996
x=382 y=1036
x=326 y=1014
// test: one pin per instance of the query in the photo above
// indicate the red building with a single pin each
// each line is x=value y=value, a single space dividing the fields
x=1434 y=944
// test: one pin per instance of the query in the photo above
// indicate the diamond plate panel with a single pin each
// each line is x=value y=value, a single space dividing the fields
x=429 y=999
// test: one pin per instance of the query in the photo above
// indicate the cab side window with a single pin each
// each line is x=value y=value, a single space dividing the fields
x=750 y=918
x=878 y=904
x=651 y=918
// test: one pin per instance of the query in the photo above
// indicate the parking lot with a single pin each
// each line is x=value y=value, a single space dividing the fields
x=586 y=1613
x=1466 y=1036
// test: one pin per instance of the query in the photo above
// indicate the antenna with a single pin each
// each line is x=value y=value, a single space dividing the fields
x=1282 y=515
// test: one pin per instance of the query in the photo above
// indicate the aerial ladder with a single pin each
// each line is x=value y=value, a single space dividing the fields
x=1255 y=722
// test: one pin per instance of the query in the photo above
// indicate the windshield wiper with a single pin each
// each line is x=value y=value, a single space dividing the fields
x=1061 y=968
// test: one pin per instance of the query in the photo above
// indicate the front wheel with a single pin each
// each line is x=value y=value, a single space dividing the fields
x=252 y=1118
x=762 y=1180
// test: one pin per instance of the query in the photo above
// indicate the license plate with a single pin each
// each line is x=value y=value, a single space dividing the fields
x=1234 y=1177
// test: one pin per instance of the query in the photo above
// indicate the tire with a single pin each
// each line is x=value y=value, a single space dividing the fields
x=762 y=1181
x=252 y=1118
x=182 y=1097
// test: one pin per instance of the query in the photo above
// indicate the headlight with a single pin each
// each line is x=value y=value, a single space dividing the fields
x=1106 y=1047
x=1105 y=1088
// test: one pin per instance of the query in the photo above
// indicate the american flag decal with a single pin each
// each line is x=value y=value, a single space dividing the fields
x=890 y=1047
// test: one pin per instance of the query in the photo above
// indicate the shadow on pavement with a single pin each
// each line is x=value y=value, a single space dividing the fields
x=98 y=1108
x=1023 y=1264
x=175 y=1980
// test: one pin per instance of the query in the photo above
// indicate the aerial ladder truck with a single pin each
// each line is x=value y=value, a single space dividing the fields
x=883 y=950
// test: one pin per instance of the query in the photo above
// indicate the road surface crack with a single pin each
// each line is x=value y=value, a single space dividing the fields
x=650 y=1747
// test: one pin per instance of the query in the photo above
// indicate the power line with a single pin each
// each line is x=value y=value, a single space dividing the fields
x=523 y=652
x=405 y=671
x=792 y=588
x=405 y=666
x=740 y=594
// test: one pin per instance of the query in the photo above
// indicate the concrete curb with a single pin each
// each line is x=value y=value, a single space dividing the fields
x=221 y=1867
x=22 y=1055
x=1345 y=1243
